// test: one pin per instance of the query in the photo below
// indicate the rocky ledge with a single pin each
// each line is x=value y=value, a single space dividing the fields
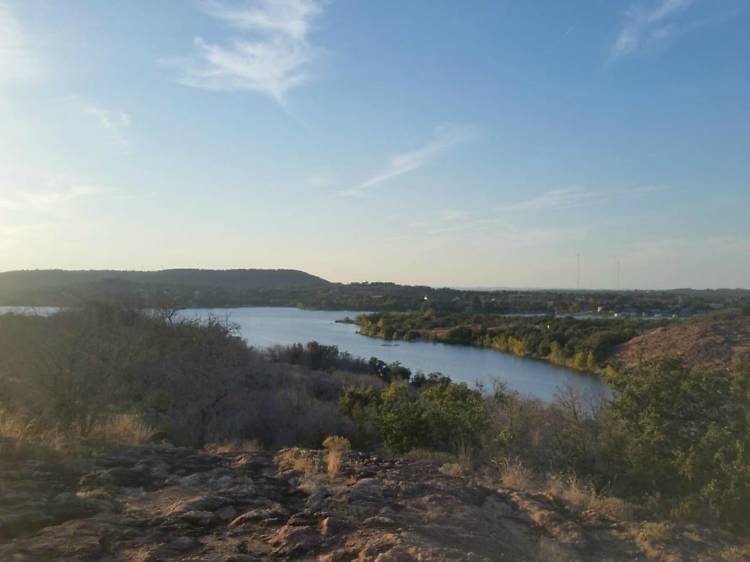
x=163 y=503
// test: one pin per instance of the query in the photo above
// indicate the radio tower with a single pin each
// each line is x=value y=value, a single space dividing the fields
x=617 y=274
x=578 y=271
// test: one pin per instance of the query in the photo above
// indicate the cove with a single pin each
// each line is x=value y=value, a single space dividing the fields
x=269 y=326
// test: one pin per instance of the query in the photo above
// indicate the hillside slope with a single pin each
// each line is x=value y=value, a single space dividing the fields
x=219 y=278
x=58 y=287
x=713 y=341
x=163 y=503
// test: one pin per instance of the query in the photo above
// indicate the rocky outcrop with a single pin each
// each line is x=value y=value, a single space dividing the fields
x=162 y=503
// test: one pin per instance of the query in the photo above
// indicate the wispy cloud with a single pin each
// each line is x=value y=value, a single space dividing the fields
x=62 y=194
x=649 y=24
x=273 y=57
x=556 y=198
x=570 y=197
x=31 y=193
x=41 y=207
x=444 y=138
x=114 y=121
x=504 y=234
x=16 y=61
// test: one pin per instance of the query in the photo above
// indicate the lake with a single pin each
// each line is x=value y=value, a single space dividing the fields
x=268 y=326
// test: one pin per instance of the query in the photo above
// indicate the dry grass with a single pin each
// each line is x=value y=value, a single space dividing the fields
x=451 y=469
x=734 y=554
x=514 y=474
x=122 y=429
x=12 y=427
x=656 y=532
x=577 y=493
x=336 y=448
x=301 y=460
x=614 y=507
x=21 y=438
x=583 y=495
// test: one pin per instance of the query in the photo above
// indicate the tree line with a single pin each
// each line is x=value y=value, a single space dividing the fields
x=583 y=344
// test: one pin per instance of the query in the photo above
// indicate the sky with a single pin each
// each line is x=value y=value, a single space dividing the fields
x=492 y=143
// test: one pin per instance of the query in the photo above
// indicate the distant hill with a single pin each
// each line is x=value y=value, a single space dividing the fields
x=208 y=288
x=55 y=287
x=219 y=278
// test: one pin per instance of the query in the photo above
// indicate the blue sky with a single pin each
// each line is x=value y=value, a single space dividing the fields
x=441 y=142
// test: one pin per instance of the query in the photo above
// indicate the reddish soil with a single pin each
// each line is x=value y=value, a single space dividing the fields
x=714 y=341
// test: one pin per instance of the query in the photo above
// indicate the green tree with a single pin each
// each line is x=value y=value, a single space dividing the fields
x=400 y=419
x=455 y=416
x=685 y=433
x=362 y=404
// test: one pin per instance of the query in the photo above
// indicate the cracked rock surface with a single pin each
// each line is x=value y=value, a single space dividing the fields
x=163 y=503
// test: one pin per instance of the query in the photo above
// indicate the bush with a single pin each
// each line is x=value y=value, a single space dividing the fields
x=109 y=372
x=362 y=404
x=401 y=419
x=686 y=434
x=64 y=372
x=442 y=416
x=454 y=416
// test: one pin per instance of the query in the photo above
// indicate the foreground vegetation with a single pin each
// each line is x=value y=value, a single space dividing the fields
x=583 y=344
x=672 y=440
x=70 y=373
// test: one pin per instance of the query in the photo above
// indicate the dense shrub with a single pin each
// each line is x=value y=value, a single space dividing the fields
x=73 y=371
x=317 y=356
x=362 y=404
x=442 y=416
x=685 y=434
x=329 y=358
x=454 y=415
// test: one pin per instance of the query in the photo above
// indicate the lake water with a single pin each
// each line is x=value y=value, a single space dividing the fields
x=268 y=326
x=265 y=327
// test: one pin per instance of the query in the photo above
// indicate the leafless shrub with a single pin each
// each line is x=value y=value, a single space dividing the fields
x=82 y=372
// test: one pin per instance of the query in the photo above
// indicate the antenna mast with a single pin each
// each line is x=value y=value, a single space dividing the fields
x=618 y=274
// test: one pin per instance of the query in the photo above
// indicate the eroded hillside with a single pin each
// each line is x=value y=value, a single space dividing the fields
x=715 y=341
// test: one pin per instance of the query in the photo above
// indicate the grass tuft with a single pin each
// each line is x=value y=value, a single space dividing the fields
x=336 y=448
